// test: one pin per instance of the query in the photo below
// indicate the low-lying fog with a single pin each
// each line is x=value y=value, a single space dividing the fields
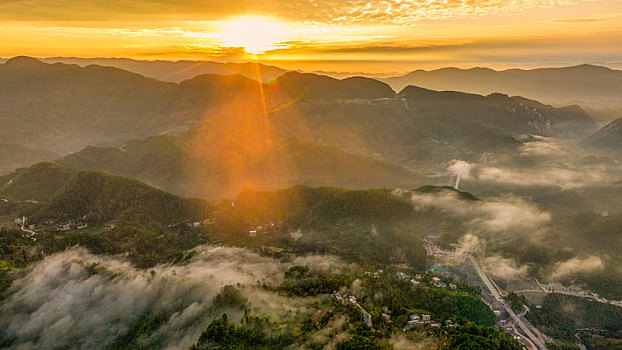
x=66 y=302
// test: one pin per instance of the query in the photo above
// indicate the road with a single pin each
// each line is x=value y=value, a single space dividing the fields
x=525 y=328
x=32 y=233
x=579 y=294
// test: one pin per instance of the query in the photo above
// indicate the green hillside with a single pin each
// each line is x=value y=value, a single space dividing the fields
x=365 y=226
x=122 y=216
x=176 y=164
x=36 y=183
x=100 y=197
x=68 y=194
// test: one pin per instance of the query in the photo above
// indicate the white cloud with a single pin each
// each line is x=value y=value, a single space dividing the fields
x=492 y=217
x=563 y=178
x=503 y=267
x=576 y=265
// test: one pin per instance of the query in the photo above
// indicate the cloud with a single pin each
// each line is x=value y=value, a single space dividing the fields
x=559 y=177
x=552 y=162
x=576 y=265
x=544 y=146
x=495 y=217
x=469 y=243
x=503 y=267
x=460 y=169
x=60 y=305
x=362 y=12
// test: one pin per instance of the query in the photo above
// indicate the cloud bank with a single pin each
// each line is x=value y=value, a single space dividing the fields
x=495 y=217
x=66 y=302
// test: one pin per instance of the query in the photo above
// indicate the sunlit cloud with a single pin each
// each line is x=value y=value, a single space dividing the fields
x=401 y=12
x=380 y=35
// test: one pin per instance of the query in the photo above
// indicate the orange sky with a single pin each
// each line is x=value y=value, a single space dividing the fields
x=339 y=35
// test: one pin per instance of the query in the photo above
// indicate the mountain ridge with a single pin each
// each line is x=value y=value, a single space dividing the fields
x=597 y=89
x=178 y=71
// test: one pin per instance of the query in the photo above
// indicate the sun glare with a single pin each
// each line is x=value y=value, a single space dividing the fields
x=254 y=34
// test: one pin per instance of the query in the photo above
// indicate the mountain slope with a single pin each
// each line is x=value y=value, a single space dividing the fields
x=609 y=136
x=36 y=183
x=499 y=111
x=100 y=197
x=586 y=85
x=69 y=194
x=64 y=107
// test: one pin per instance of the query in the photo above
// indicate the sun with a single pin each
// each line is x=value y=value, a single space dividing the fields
x=255 y=34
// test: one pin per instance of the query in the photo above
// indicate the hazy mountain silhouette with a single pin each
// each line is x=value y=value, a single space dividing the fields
x=586 y=85
x=178 y=71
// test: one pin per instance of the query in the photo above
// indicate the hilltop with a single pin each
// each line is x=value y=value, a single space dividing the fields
x=36 y=183
x=448 y=189
x=66 y=194
x=101 y=197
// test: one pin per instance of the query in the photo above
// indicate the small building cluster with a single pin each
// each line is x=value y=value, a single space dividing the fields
x=76 y=224
x=416 y=319
x=435 y=250
x=265 y=228
x=352 y=299
x=51 y=226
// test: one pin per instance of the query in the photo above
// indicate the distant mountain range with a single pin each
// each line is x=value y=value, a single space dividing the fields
x=178 y=71
x=231 y=132
x=587 y=85
x=63 y=107
x=591 y=86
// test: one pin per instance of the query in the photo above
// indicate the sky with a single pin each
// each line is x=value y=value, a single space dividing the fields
x=339 y=35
